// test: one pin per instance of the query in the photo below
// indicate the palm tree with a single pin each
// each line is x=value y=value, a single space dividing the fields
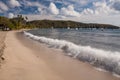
x=26 y=18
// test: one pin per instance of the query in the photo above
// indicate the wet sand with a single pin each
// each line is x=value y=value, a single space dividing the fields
x=29 y=60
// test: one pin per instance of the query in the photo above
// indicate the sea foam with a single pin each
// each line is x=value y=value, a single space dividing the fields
x=107 y=60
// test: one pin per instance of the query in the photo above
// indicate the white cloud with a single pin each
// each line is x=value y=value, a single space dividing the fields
x=115 y=4
x=40 y=8
x=10 y=15
x=28 y=3
x=53 y=9
x=88 y=11
x=14 y=3
x=3 y=7
x=81 y=2
x=69 y=11
x=99 y=8
x=102 y=8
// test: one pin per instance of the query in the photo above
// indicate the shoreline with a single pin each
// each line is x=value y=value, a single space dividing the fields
x=63 y=55
x=31 y=60
x=100 y=58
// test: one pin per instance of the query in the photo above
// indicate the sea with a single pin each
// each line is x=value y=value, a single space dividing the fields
x=98 y=47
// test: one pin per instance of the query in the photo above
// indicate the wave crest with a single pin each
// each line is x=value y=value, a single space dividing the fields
x=107 y=60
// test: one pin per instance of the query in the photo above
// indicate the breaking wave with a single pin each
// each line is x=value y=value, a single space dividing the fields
x=107 y=60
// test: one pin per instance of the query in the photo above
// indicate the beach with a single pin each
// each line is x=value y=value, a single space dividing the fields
x=2 y=44
x=26 y=59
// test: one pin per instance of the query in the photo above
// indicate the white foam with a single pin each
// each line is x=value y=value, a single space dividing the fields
x=107 y=60
x=116 y=75
x=99 y=69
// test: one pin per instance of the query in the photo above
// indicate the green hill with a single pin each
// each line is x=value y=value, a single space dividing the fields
x=20 y=22
x=65 y=24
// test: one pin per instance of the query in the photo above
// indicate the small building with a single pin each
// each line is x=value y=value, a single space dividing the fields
x=3 y=27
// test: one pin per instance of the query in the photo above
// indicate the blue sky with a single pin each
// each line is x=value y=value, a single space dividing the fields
x=95 y=11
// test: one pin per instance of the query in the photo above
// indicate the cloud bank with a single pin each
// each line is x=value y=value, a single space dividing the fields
x=79 y=10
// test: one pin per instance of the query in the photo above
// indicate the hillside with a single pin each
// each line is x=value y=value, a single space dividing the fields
x=20 y=22
x=65 y=24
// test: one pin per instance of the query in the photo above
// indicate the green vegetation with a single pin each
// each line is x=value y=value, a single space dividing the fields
x=21 y=22
x=6 y=21
x=65 y=24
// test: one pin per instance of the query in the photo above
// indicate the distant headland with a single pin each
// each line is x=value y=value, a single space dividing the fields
x=21 y=22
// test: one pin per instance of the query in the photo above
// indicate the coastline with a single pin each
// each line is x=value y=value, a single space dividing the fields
x=26 y=59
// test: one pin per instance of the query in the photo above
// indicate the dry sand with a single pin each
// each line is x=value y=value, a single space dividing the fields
x=29 y=60
x=2 y=44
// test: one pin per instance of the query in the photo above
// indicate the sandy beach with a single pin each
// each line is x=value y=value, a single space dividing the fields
x=2 y=44
x=30 y=60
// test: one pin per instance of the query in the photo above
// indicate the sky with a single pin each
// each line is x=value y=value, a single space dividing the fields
x=88 y=11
